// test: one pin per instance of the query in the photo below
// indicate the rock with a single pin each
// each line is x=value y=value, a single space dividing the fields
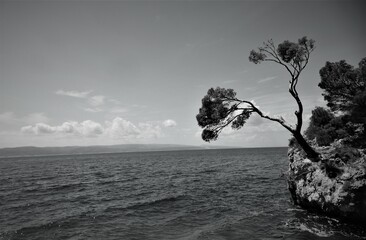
x=335 y=186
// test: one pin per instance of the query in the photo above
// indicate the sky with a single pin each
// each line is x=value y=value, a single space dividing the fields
x=117 y=72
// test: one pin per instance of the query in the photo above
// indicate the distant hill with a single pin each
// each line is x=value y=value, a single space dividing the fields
x=69 y=150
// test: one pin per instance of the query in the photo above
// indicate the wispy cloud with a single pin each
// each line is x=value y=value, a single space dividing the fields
x=169 y=123
x=267 y=79
x=96 y=100
x=95 y=103
x=118 y=128
x=73 y=93
x=114 y=101
x=93 y=109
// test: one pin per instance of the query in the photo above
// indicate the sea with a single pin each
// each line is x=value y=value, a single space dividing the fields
x=196 y=194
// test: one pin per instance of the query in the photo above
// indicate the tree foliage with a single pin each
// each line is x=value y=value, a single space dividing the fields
x=358 y=108
x=325 y=127
x=293 y=53
x=343 y=84
x=214 y=108
x=220 y=108
x=345 y=93
x=321 y=116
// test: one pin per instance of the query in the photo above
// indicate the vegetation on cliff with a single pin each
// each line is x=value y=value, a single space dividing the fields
x=345 y=93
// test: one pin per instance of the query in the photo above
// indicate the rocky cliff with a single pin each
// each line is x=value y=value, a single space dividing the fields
x=335 y=186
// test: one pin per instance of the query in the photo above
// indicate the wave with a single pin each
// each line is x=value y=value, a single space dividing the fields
x=215 y=167
x=102 y=174
x=106 y=182
x=318 y=231
x=148 y=203
x=209 y=171
x=38 y=231
x=28 y=203
x=295 y=210
x=323 y=226
x=56 y=188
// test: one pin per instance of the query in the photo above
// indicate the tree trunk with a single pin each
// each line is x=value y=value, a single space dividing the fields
x=310 y=152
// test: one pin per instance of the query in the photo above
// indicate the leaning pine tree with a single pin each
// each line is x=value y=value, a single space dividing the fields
x=221 y=108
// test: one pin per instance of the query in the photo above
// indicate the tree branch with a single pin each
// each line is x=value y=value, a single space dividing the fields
x=261 y=114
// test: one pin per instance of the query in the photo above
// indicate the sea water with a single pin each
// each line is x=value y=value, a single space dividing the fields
x=200 y=194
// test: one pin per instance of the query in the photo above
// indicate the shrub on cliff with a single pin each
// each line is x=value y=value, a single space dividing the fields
x=342 y=83
x=325 y=127
x=345 y=93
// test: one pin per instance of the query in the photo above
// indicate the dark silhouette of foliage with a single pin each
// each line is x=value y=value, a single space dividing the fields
x=209 y=135
x=240 y=120
x=321 y=116
x=214 y=108
x=358 y=108
x=341 y=82
x=320 y=127
x=256 y=57
x=221 y=108
x=325 y=127
x=345 y=92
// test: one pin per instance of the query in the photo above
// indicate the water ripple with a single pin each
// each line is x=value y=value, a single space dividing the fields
x=210 y=194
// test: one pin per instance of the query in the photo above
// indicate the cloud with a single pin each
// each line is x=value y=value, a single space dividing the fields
x=121 y=128
x=96 y=100
x=150 y=130
x=267 y=79
x=39 y=128
x=169 y=123
x=73 y=93
x=94 y=103
x=256 y=120
x=86 y=128
x=93 y=110
x=118 y=128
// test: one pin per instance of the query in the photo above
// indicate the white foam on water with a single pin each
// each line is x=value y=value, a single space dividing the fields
x=316 y=231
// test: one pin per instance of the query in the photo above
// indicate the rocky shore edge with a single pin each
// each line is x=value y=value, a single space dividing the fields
x=334 y=186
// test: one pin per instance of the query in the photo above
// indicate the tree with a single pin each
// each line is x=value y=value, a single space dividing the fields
x=358 y=109
x=345 y=93
x=220 y=107
x=325 y=127
x=341 y=83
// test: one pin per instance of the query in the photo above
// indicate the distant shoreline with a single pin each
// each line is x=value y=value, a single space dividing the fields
x=19 y=152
